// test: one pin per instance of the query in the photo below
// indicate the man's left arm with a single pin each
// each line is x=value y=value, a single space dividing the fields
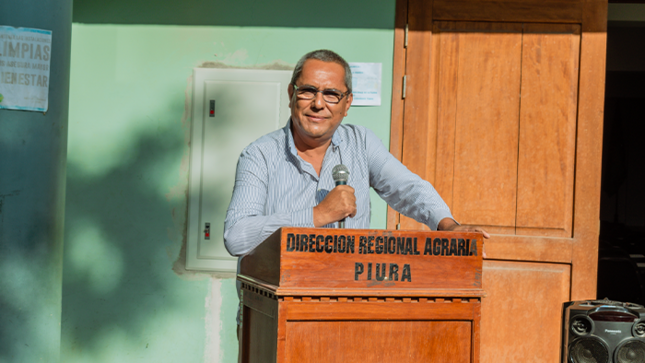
x=407 y=193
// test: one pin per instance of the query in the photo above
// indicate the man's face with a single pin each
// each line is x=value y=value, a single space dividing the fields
x=315 y=121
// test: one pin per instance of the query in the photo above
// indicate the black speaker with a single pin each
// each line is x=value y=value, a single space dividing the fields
x=603 y=331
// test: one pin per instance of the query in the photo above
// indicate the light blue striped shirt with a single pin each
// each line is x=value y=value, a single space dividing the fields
x=274 y=187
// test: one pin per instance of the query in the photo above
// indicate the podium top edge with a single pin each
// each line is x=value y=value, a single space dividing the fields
x=354 y=231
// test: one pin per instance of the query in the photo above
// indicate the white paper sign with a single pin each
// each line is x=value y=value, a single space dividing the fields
x=24 y=68
x=366 y=84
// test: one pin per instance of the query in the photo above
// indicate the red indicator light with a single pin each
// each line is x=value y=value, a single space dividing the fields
x=207 y=231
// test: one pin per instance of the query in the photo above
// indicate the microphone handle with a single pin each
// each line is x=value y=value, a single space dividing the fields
x=341 y=223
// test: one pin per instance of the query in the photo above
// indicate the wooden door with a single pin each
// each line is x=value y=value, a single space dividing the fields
x=503 y=114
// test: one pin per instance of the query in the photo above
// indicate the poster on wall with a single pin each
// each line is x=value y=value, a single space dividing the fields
x=366 y=84
x=24 y=68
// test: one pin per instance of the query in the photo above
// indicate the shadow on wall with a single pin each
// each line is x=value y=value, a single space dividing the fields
x=30 y=235
x=120 y=247
x=25 y=324
x=288 y=13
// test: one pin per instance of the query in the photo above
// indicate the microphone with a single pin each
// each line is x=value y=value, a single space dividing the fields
x=340 y=173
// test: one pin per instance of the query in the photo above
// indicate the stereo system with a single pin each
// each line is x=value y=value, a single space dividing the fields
x=603 y=331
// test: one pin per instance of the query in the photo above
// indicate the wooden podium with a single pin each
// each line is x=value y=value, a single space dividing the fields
x=344 y=295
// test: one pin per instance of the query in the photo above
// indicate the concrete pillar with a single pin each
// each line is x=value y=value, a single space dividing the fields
x=33 y=155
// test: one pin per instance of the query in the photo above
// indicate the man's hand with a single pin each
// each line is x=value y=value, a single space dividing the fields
x=338 y=204
x=448 y=224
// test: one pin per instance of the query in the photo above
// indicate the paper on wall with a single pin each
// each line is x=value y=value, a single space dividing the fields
x=25 y=56
x=366 y=84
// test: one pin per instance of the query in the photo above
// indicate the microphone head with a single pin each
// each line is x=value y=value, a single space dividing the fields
x=340 y=173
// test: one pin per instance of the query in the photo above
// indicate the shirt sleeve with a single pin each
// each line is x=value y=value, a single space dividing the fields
x=246 y=224
x=402 y=189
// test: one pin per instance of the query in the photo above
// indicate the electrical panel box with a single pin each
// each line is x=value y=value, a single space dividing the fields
x=231 y=109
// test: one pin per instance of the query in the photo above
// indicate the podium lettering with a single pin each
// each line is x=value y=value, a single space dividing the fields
x=461 y=247
x=312 y=242
x=362 y=245
x=291 y=242
x=473 y=248
x=453 y=247
x=391 y=245
x=428 y=248
x=358 y=269
x=350 y=244
x=378 y=248
x=394 y=272
x=408 y=247
x=436 y=246
x=319 y=240
x=329 y=240
x=380 y=272
x=388 y=245
x=385 y=244
x=407 y=273
x=444 y=246
x=400 y=245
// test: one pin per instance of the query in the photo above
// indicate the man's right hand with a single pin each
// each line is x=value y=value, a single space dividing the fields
x=338 y=204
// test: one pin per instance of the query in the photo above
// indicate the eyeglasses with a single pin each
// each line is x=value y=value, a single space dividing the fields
x=329 y=95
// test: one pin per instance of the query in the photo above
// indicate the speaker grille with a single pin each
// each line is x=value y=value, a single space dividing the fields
x=586 y=350
x=631 y=352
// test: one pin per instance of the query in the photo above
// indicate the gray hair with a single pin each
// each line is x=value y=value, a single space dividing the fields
x=325 y=56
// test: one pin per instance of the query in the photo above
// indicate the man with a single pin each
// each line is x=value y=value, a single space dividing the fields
x=284 y=178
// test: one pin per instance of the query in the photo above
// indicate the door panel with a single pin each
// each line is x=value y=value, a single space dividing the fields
x=563 y=11
x=391 y=341
x=486 y=128
x=547 y=129
x=499 y=135
x=520 y=312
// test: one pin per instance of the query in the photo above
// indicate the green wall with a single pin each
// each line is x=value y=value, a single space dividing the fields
x=126 y=295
